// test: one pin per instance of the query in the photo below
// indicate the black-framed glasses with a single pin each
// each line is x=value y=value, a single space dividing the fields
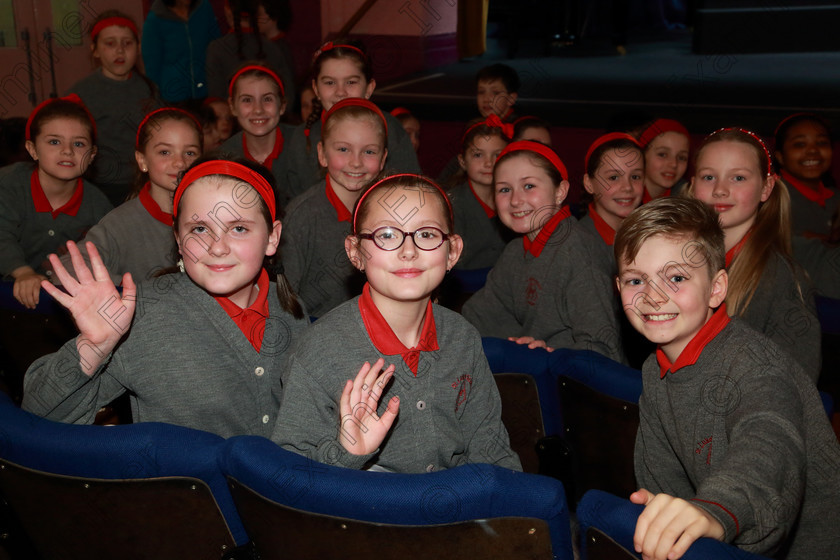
x=389 y=238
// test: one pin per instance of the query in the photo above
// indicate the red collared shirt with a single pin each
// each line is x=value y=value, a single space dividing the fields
x=152 y=207
x=386 y=341
x=536 y=246
x=342 y=213
x=487 y=210
x=691 y=353
x=604 y=229
x=251 y=321
x=733 y=252
x=276 y=151
x=819 y=196
x=42 y=203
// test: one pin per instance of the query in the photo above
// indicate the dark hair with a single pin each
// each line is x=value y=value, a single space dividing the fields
x=783 y=129
x=62 y=109
x=537 y=160
x=474 y=129
x=249 y=8
x=116 y=13
x=522 y=124
x=278 y=10
x=622 y=145
x=502 y=72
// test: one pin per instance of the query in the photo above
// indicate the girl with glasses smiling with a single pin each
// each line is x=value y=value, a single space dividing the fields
x=435 y=405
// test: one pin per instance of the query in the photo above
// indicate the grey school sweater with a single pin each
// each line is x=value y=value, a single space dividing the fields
x=743 y=434
x=564 y=297
x=27 y=236
x=184 y=361
x=279 y=166
x=313 y=255
x=450 y=412
x=484 y=238
x=807 y=216
x=822 y=263
x=608 y=253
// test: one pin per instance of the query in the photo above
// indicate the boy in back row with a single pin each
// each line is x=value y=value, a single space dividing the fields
x=733 y=441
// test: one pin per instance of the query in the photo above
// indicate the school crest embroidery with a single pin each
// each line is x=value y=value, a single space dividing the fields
x=463 y=385
x=532 y=291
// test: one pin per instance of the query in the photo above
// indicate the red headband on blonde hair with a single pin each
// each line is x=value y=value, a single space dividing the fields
x=754 y=136
x=329 y=45
x=661 y=126
x=413 y=175
x=354 y=102
x=609 y=137
x=493 y=121
x=263 y=69
x=231 y=169
x=72 y=98
x=537 y=148
x=157 y=112
x=108 y=22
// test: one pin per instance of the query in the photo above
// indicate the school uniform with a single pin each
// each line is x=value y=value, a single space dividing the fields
x=30 y=229
x=822 y=263
x=304 y=169
x=737 y=428
x=135 y=237
x=450 y=411
x=557 y=289
x=478 y=225
x=314 y=259
x=810 y=211
x=277 y=161
x=600 y=229
x=185 y=361
x=118 y=107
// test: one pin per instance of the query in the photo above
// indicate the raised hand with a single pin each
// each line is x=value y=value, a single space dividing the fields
x=101 y=314
x=362 y=430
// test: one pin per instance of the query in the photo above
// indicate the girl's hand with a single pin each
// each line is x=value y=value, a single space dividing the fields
x=27 y=288
x=531 y=342
x=361 y=431
x=101 y=314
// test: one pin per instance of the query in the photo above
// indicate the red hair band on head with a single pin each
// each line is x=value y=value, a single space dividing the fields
x=264 y=69
x=329 y=45
x=813 y=116
x=72 y=98
x=413 y=175
x=158 y=111
x=108 y=22
x=661 y=126
x=752 y=135
x=397 y=111
x=354 y=102
x=231 y=169
x=493 y=121
x=537 y=148
x=609 y=137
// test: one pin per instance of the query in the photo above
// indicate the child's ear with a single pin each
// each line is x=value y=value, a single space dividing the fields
x=384 y=157
x=456 y=246
x=720 y=284
x=369 y=88
x=512 y=97
x=232 y=107
x=769 y=183
x=322 y=157
x=561 y=192
x=461 y=162
x=30 y=147
x=273 y=238
x=141 y=161
x=587 y=183
x=351 y=247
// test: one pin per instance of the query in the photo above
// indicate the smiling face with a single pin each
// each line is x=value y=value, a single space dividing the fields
x=480 y=157
x=223 y=242
x=339 y=79
x=171 y=148
x=526 y=197
x=617 y=185
x=493 y=97
x=667 y=299
x=806 y=152
x=666 y=159
x=729 y=179
x=116 y=48
x=353 y=151
x=257 y=104
x=63 y=150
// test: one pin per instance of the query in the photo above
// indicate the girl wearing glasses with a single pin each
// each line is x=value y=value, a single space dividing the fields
x=424 y=398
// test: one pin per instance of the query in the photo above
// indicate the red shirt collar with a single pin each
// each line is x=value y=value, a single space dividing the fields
x=342 y=213
x=152 y=207
x=819 y=196
x=276 y=151
x=604 y=229
x=487 y=210
x=251 y=321
x=42 y=204
x=386 y=341
x=536 y=246
x=733 y=252
x=691 y=353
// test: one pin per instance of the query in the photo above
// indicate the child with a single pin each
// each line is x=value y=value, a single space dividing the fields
x=117 y=95
x=136 y=237
x=410 y=124
x=307 y=99
x=352 y=149
x=256 y=98
x=532 y=128
x=733 y=176
x=207 y=347
x=665 y=143
x=451 y=413
x=44 y=205
x=553 y=287
x=473 y=197
x=341 y=70
x=497 y=89
x=225 y=122
x=733 y=441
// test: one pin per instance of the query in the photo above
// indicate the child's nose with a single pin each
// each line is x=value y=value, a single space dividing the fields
x=408 y=248
x=218 y=246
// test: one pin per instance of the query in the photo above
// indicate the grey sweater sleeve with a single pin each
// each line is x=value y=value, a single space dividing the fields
x=492 y=309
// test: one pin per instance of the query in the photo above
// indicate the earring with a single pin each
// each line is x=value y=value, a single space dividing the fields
x=144 y=169
x=181 y=265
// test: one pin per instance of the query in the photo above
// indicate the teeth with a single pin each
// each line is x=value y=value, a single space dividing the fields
x=520 y=214
x=661 y=317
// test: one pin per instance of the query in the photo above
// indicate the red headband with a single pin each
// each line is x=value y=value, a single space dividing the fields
x=263 y=69
x=397 y=111
x=354 y=102
x=752 y=135
x=108 y=22
x=493 y=121
x=72 y=98
x=329 y=45
x=231 y=169
x=418 y=177
x=811 y=116
x=537 y=148
x=661 y=126
x=609 y=137
x=158 y=111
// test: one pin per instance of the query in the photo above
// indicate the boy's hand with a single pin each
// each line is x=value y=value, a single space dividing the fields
x=27 y=288
x=531 y=342
x=361 y=430
x=669 y=525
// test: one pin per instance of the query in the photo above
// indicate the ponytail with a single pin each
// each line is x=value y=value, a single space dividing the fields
x=285 y=293
x=314 y=116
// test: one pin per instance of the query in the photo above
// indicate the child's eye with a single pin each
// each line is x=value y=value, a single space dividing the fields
x=371 y=152
x=740 y=178
x=682 y=158
x=79 y=144
x=636 y=177
x=342 y=149
x=612 y=177
x=385 y=234
x=529 y=186
x=633 y=282
x=164 y=152
x=707 y=178
x=427 y=233
x=52 y=141
x=503 y=190
x=662 y=154
x=268 y=99
x=328 y=82
x=191 y=153
x=239 y=229
x=199 y=229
